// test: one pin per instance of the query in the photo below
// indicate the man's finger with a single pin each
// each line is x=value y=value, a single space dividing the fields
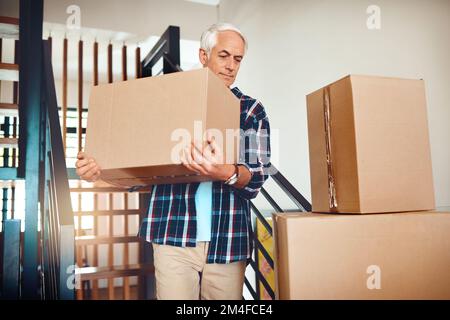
x=197 y=155
x=189 y=167
x=86 y=168
x=216 y=155
x=209 y=156
x=198 y=168
x=98 y=174
x=216 y=150
x=196 y=152
x=183 y=160
x=81 y=163
x=95 y=177
x=88 y=175
x=193 y=164
x=186 y=162
x=209 y=136
x=202 y=164
x=83 y=170
x=213 y=145
x=188 y=156
x=81 y=155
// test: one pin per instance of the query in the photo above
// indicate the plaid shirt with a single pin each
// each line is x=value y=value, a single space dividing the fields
x=171 y=216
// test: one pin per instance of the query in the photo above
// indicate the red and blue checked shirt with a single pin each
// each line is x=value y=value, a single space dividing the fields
x=171 y=216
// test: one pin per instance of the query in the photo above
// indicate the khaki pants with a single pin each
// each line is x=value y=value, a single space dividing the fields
x=183 y=274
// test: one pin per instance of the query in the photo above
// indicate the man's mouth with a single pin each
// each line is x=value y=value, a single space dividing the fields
x=227 y=76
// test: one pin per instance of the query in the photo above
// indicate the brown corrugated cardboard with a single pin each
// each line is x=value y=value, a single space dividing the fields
x=136 y=128
x=379 y=256
x=378 y=146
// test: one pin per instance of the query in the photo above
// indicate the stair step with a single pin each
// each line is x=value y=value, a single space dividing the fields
x=94 y=273
x=89 y=240
x=9 y=142
x=108 y=212
x=9 y=27
x=9 y=72
x=9 y=109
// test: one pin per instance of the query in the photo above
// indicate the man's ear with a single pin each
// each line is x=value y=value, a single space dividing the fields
x=203 y=57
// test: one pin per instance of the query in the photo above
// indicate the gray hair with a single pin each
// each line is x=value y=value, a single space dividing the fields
x=209 y=37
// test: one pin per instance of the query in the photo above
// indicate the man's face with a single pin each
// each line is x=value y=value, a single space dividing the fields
x=225 y=58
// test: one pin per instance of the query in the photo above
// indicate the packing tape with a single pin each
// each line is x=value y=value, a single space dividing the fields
x=332 y=199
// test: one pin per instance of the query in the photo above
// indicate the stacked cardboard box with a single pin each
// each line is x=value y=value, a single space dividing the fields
x=373 y=234
x=379 y=256
x=369 y=146
x=136 y=129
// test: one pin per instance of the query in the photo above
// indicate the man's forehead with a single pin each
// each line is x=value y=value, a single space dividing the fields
x=230 y=41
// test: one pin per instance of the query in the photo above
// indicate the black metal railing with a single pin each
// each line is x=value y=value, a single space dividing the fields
x=40 y=262
x=58 y=238
x=302 y=205
x=168 y=49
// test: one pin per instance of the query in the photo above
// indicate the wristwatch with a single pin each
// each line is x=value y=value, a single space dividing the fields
x=234 y=178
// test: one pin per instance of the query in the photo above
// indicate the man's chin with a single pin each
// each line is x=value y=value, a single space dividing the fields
x=228 y=82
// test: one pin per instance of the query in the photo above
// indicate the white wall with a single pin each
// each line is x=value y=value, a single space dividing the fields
x=139 y=17
x=298 y=46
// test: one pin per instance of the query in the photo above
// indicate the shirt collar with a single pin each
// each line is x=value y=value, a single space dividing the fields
x=237 y=92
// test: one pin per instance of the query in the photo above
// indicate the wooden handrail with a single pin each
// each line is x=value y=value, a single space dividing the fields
x=9 y=66
x=9 y=109
x=9 y=20
x=9 y=142
x=9 y=72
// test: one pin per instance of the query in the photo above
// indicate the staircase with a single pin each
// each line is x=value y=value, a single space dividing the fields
x=89 y=272
x=10 y=237
x=53 y=260
x=55 y=257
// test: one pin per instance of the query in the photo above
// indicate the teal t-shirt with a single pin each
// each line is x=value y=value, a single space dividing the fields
x=203 y=205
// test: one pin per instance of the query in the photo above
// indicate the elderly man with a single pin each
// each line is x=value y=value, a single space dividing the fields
x=201 y=232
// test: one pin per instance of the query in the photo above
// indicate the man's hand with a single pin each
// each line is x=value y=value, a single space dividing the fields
x=207 y=160
x=87 y=168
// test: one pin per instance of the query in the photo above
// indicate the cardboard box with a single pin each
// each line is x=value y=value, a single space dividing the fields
x=374 y=131
x=380 y=256
x=137 y=128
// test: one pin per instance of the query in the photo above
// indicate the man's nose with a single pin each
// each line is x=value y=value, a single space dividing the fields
x=231 y=65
